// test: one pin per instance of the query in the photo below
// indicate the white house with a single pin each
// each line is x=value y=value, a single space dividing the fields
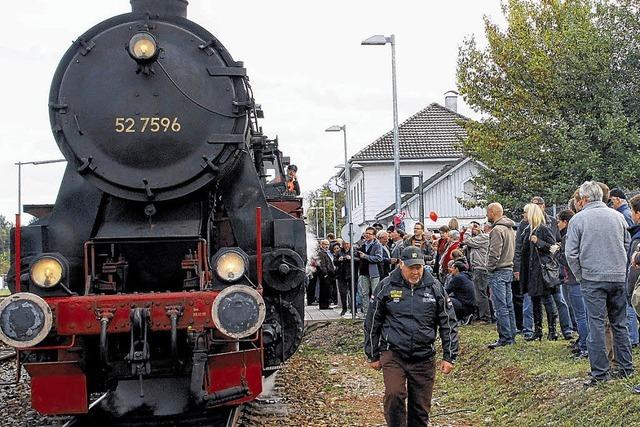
x=429 y=142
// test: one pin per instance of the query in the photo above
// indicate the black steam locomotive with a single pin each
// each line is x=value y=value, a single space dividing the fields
x=173 y=251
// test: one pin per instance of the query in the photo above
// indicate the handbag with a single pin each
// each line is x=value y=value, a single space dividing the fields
x=635 y=296
x=550 y=272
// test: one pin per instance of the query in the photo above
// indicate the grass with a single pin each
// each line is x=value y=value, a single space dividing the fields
x=528 y=384
x=533 y=384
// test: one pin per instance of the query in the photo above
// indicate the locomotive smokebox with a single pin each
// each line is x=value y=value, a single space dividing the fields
x=160 y=7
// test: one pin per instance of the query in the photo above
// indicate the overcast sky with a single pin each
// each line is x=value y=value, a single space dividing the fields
x=304 y=59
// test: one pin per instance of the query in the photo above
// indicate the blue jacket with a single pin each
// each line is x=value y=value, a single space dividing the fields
x=461 y=287
x=625 y=210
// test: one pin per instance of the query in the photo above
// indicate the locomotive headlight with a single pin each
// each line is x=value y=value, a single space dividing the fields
x=231 y=264
x=143 y=46
x=25 y=320
x=47 y=271
x=238 y=311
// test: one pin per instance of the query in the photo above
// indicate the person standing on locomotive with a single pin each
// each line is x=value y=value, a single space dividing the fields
x=293 y=187
x=408 y=308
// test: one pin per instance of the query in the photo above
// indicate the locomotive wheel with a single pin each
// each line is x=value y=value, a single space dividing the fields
x=282 y=331
x=283 y=270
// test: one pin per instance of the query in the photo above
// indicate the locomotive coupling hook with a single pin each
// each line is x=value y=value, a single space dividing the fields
x=174 y=312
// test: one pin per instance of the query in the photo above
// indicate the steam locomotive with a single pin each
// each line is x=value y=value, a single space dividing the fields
x=173 y=251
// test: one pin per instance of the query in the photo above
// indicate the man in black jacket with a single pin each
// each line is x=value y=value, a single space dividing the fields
x=408 y=308
x=326 y=274
x=461 y=290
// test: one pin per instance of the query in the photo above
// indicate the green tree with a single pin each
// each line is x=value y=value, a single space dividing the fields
x=324 y=197
x=5 y=227
x=558 y=89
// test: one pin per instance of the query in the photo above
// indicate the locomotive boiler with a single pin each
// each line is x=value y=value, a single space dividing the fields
x=173 y=250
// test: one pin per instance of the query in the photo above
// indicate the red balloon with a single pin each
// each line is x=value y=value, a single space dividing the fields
x=433 y=215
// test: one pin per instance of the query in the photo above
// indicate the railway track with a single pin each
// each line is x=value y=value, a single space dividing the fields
x=221 y=417
x=7 y=354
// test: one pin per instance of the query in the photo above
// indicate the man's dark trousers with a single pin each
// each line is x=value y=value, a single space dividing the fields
x=411 y=381
x=481 y=282
x=600 y=299
x=518 y=299
x=311 y=289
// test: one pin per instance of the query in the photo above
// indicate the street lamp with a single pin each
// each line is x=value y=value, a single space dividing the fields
x=347 y=208
x=379 y=40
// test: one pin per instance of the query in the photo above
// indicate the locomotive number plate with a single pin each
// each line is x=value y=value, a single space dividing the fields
x=147 y=124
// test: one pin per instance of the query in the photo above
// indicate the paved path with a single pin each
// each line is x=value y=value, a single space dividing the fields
x=314 y=315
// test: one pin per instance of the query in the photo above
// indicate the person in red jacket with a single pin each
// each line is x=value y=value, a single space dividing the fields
x=454 y=243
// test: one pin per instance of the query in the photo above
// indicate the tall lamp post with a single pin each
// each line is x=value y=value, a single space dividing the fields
x=347 y=208
x=379 y=40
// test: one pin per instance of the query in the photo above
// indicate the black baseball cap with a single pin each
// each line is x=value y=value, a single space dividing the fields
x=616 y=192
x=412 y=255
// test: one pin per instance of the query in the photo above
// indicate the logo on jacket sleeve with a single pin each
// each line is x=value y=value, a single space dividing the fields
x=427 y=297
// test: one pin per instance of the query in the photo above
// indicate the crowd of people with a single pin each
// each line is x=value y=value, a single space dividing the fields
x=581 y=267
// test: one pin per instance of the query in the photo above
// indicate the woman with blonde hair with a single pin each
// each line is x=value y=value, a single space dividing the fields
x=538 y=247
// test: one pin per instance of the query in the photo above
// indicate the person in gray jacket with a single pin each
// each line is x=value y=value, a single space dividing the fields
x=593 y=232
x=502 y=242
x=476 y=240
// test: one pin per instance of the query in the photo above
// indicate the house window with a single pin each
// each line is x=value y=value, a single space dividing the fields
x=406 y=184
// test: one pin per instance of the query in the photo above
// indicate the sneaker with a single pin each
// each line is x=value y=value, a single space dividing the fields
x=498 y=343
x=581 y=355
x=619 y=374
x=636 y=389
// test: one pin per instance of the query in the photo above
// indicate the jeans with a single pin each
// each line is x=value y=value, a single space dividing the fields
x=527 y=315
x=563 y=312
x=610 y=298
x=367 y=286
x=580 y=313
x=565 y=293
x=632 y=324
x=502 y=299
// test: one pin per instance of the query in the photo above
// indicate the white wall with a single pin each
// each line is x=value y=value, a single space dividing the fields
x=442 y=198
x=379 y=185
